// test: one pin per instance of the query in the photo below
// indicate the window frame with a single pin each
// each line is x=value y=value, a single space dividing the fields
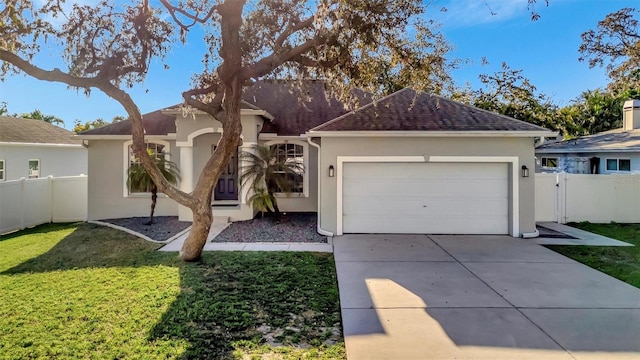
x=29 y=174
x=617 y=160
x=3 y=170
x=545 y=160
x=305 y=164
x=126 y=162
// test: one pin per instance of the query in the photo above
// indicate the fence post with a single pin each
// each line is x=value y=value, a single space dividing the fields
x=50 y=177
x=562 y=197
x=22 y=180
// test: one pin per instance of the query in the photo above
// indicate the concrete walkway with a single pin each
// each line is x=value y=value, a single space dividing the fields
x=581 y=237
x=479 y=297
x=218 y=226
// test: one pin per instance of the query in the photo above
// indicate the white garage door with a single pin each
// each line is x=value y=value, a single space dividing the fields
x=433 y=198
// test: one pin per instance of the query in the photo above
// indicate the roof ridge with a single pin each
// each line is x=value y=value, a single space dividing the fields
x=361 y=108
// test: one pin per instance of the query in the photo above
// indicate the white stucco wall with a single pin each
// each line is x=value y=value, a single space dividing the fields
x=64 y=160
x=521 y=148
x=107 y=183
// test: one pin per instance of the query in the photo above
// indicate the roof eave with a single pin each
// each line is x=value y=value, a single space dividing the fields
x=13 y=143
x=263 y=113
x=313 y=133
x=585 y=150
x=171 y=136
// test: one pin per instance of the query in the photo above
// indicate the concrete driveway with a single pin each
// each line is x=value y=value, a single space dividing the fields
x=479 y=297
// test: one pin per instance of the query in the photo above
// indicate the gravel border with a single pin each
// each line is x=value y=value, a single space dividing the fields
x=292 y=227
x=163 y=228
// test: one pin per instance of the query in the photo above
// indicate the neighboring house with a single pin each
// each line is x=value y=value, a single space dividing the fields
x=610 y=152
x=408 y=163
x=34 y=148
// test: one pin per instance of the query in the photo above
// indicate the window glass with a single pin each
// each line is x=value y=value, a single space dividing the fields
x=34 y=169
x=624 y=165
x=154 y=149
x=291 y=153
x=550 y=162
x=612 y=164
x=1 y=170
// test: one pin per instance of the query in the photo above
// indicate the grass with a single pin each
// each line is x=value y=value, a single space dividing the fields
x=620 y=262
x=82 y=291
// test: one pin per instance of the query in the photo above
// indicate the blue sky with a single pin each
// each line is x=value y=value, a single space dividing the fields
x=546 y=50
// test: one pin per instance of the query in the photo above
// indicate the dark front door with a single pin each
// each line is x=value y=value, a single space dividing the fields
x=227 y=187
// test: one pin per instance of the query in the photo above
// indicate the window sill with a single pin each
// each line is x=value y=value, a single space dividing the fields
x=144 y=195
x=290 y=195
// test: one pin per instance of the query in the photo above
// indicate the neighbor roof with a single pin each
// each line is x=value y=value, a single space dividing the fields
x=409 y=110
x=19 y=130
x=609 y=141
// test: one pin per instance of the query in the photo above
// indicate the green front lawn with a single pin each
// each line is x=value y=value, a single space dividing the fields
x=620 y=262
x=85 y=291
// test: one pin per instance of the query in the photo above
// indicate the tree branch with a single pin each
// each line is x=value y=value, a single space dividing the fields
x=274 y=60
x=56 y=75
x=173 y=11
x=214 y=107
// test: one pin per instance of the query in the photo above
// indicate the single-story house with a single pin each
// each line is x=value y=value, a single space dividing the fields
x=34 y=148
x=610 y=152
x=407 y=163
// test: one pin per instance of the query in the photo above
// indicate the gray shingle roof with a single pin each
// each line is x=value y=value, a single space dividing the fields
x=292 y=115
x=405 y=110
x=408 y=110
x=609 y=141
x=154 y=123
x=18 y=130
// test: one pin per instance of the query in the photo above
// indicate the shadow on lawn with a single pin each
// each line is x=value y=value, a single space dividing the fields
x=89 y=246
x=223 y=298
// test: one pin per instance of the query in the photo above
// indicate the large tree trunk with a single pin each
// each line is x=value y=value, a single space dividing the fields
x=202 y=218
x=231 y=53
x=154 y=199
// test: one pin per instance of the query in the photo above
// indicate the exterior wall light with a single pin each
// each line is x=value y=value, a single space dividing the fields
x=332 y=171
x=525 y=171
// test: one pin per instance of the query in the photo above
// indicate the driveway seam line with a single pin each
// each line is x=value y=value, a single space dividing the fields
x=509 y=302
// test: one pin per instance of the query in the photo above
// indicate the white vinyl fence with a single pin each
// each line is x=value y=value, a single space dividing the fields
x=598 y=198
x=29 y=202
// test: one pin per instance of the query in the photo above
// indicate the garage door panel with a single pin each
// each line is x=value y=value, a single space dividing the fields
x=419 y=170
x=417 y=224
x=444 y=206
x=402 y=187
x=447 y=198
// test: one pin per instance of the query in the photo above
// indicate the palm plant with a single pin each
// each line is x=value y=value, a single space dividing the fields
x=268 y=170
x=139 y=179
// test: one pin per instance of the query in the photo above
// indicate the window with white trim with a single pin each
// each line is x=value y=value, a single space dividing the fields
x=2 y=171
x=618 y=165
x=549 y=162
x=159 y=150
x=34 y=168
x=292 y=153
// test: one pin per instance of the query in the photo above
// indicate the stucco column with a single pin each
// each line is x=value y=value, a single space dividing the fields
x=251 y=148
x=186 y=181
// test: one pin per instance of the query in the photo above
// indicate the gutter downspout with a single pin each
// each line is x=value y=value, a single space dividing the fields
x=531 y=235
x=320 y=230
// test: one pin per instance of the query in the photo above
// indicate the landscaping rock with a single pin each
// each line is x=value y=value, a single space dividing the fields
x=291 y=227
x=163 y=227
